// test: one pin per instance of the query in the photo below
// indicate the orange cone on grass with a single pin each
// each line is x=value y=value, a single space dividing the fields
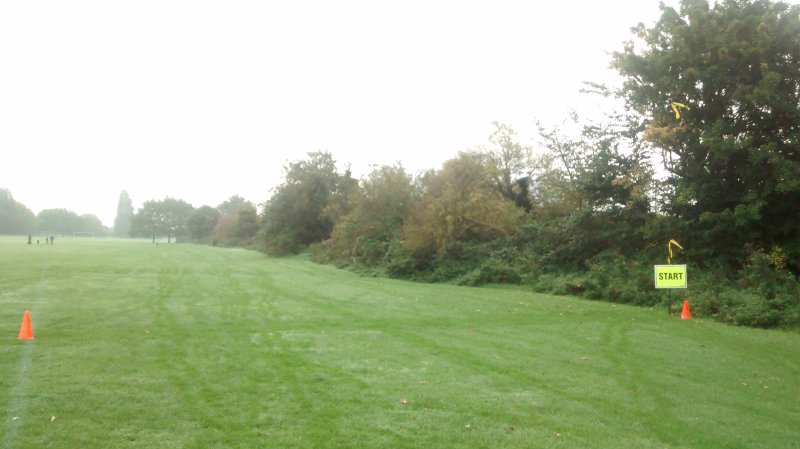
x=25 y=332
x=686 y=314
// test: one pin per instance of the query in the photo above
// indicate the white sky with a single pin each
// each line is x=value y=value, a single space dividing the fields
x=202 y=100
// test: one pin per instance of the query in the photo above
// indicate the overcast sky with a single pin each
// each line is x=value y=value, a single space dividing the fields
x=202 y=100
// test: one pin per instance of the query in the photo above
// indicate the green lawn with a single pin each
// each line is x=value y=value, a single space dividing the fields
x=183 y=346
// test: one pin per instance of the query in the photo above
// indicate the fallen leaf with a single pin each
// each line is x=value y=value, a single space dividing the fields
x=584 y=358
x=558 y=435
x=15 y=418
x=404 y=401
x=52 y=418
x=511 y=429
x=422 y=382
x=468 y=426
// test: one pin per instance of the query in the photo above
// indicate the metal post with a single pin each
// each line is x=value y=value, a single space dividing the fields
x=669 y=304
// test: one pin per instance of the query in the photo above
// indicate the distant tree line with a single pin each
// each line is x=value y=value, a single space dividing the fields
x=234 y=222
x=16 y=218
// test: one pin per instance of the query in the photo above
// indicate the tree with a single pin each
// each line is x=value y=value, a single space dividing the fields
x=175 y=214
x=340 y=202
x=60 y=221
x=510 y=165
x=377 y=212
x=233 y=204
x=296 y=215
x=90 y=223
x=237 y=228
x=591 y=194
x=202 y=222
x=556 y=188
x=148 y=221
x=122 y=223
x=247 y=226
x=15 y=218
x=157 y=218
x=460 y=204
x=733 y=155
x=233 y=223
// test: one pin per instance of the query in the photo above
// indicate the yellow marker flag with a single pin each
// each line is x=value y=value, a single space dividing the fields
x=675 y=105
x=669 y=248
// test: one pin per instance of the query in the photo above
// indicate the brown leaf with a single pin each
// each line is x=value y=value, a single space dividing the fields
x=404 y=401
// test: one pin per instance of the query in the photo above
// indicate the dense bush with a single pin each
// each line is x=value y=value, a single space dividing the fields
x=759 y=295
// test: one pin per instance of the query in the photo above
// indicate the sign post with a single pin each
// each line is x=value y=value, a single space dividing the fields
x=669 y=277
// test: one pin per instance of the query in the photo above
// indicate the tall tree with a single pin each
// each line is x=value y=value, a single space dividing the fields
x=510 y=165
x=122 y=223
x=15 y=218
x=296 y=215
x=731 y=144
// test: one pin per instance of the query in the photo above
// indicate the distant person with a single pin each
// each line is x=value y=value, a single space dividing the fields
x=29 y=239
x=52 y=237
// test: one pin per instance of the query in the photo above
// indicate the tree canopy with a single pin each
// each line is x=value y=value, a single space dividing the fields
x=60 y=221
x=15 y=218
x=295 y=216
x=122 y=222
x=733 y=152
x=168 y=217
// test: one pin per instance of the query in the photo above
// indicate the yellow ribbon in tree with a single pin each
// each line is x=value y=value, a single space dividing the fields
x=675 y=106
x=669 y=248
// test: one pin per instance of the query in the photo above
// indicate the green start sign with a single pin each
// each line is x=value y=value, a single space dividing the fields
x=670 y=276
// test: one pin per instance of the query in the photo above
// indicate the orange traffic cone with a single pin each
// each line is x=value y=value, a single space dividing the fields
x=25 y=332
x=686 y=314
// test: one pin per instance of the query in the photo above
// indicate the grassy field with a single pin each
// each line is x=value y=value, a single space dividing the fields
x=182 y=346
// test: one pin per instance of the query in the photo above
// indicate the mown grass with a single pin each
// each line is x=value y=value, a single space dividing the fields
x=182 y=346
